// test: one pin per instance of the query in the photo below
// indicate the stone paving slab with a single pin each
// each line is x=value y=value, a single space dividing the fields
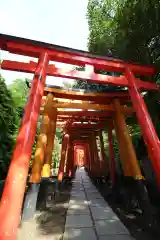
x=103 y=212
x=79 y=234
x=76 y=221
x=116 y=237
x=93 y=196
x=79 y=193
x=78 y=211
x=77 y=206
x=89 y=215
x=97 y=203
x=110 y=227
x=92 y=190
x=78 y=202
x=77 y=189
x=78 y=197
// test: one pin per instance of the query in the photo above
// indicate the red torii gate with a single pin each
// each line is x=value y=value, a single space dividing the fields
x=18 y=170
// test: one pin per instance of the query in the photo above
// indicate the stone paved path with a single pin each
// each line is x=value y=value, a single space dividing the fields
x=89 y=216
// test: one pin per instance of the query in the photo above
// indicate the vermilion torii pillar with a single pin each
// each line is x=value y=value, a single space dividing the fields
x=96 y=162
x=11 y=203
x=128 y=155
x=46 y=170
x=149 y=134
x=65 y=141
x=42 y=141
x=69 y=163
x=130 y=160
x=35 y=177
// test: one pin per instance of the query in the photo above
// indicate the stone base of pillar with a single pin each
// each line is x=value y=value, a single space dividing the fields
x=30 y=202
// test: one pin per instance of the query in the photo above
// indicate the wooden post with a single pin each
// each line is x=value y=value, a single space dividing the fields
x=69 y=161
x=46 y=171
x=149 y=134
x=130 y=163
x=15 y=184
x=63 y=156
x=33 y=188
x=96 y=162
x=129 y=160
x=42 y=142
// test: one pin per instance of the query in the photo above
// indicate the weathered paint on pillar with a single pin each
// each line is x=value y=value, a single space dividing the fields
x=129 y=155
x=149 y=133
x=46 y=170
x=112 y=165
x=63 y=156
x=38 y=161
x=11 y=201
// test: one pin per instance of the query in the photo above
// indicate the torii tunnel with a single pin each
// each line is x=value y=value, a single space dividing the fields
x=82 y=141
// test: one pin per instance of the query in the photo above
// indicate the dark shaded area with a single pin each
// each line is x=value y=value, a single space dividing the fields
x=122 y=198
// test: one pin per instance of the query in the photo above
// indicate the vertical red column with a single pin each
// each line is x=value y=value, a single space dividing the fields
x=69 y=161
x=112 y=165
x=72 y=168
x=149 y=133
x=63 y=156
x=87 y=157
x=11 y=201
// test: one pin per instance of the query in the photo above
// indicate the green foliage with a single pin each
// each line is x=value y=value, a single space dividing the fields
x=12 y=102
x=59 y=134
x=56 y=153
x=67 y=84
x=19 y=91
x=7 y=127
x=127 y=29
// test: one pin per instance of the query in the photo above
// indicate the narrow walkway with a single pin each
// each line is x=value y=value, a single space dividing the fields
x=89 y=216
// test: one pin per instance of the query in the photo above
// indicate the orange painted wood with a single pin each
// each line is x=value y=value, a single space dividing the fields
x=46 y=170
x=127 y=152
x=65 y=141
x=84 y=113
x=78 y=75
x=71 y=56
x=41 y=143
x=15 y=183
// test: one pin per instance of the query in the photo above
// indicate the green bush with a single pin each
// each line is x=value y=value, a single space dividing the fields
x=8 y=121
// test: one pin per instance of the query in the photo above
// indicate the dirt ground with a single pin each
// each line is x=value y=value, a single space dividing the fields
x=49 y=220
